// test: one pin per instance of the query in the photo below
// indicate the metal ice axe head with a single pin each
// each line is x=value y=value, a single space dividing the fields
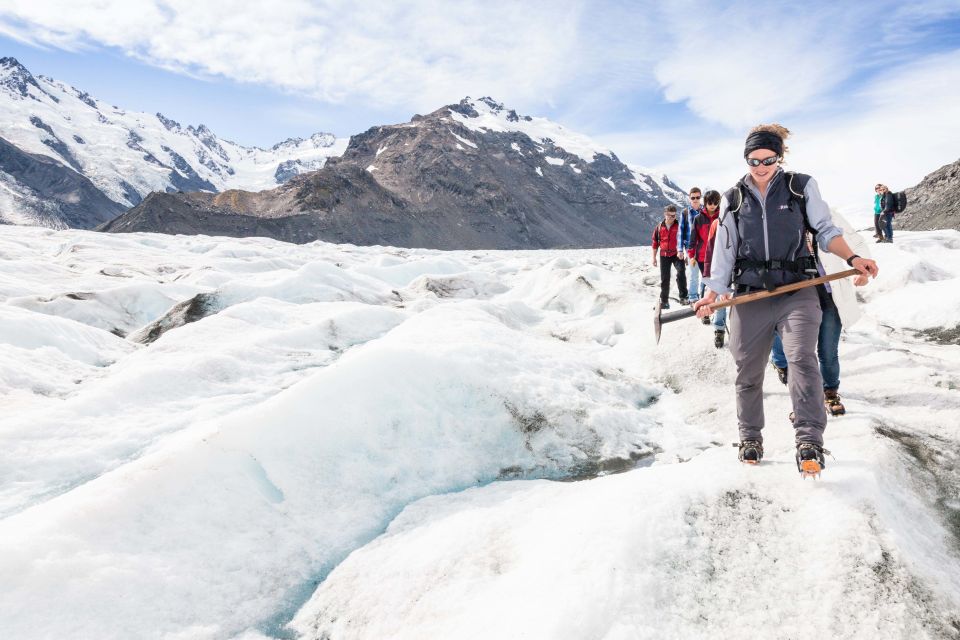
x=661 y=318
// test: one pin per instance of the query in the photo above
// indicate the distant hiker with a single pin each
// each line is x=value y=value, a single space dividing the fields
x=699 y=243
x=665 y=243
x=759 y=245
x=838 y=302
x=687 y=217
x=888 y=205
x=877 y=211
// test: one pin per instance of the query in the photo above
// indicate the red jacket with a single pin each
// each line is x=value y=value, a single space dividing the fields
x=699 y=237
x=665 y=238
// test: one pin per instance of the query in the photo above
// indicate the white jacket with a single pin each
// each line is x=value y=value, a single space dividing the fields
x=843 y=293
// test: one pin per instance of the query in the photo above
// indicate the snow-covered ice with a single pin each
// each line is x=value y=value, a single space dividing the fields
x=366 y=442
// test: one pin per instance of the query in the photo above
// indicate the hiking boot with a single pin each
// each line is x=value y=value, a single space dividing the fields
x=751 y=451
x=684 y=301
x=706 y=320
x=810 y=460
x=832 y=400
x=665 y=304
x=781 y=372
x=879 y=240
x=718 y=338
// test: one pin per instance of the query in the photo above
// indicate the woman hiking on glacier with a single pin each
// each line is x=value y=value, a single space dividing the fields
x=760 y=245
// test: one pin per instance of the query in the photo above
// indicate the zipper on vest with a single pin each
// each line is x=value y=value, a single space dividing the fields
x=763 y=215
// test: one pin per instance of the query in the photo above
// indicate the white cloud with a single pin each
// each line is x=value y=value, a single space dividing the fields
x=414 y=54
x=725 y=68
x=737 y=64
x=896 y=130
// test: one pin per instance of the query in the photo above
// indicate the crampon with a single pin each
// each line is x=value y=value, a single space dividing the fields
x=751 y=451
x=810 y=460
x=834 y=405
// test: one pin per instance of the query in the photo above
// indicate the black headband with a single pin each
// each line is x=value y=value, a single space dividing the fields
x=763 y=140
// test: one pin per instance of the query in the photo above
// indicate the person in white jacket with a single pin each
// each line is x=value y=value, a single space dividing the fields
x=838 y=301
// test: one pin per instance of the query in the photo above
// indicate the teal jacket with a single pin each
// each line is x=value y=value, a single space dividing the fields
x=877 y=204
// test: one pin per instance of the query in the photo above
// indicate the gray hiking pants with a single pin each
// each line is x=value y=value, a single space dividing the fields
x=796 y=317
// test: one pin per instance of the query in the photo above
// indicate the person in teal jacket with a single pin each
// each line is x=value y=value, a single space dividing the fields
x=877 y=211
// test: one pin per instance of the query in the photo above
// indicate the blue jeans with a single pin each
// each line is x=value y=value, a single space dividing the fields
x=720 y=315
x=828 y=344
x=888 y=226
x=720 y=321
x=693 y=281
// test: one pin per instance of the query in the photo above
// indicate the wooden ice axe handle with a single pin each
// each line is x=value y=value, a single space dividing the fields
x=660 y=318
x=787 y=288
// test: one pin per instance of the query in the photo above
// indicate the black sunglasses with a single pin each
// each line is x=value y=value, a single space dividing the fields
x=767 y=162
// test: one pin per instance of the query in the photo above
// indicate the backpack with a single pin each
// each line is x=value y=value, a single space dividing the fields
x=797 y=196
x=900 y=198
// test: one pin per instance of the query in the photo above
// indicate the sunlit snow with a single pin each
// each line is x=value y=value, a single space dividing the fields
x=365 y=442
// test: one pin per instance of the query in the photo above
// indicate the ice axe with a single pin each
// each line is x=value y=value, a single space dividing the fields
x=662 y=318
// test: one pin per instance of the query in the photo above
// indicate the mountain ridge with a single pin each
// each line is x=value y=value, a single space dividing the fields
x=468 y=175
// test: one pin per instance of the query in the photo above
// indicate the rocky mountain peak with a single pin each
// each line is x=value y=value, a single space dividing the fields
x=486 y=105
x=285 y=144
x=319 y=140
x=209 y=140
x=322 y=139
x=201 y=131
x=170 y=124
x=15 y=78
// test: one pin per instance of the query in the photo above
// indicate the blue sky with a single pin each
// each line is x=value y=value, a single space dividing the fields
x=869 y=88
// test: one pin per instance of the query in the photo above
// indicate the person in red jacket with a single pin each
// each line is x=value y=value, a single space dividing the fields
x=697 y=253
x=665 y=243
x=700 y=241
x=720 y=315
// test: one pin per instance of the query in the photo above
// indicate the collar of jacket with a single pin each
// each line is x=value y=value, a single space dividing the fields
x=748 y=182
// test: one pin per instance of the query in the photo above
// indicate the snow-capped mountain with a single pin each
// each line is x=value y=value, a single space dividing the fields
x=124 y=154
x=243 y=439
x=468 y=175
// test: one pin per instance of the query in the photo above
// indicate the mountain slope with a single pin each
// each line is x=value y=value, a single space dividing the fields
x=36 y=189
x=127 y=155
x=934 y=203
x=470 y=175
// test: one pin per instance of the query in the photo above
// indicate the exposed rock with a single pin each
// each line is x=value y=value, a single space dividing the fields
x=935 y=202
x=196 y=308
x=169 y=123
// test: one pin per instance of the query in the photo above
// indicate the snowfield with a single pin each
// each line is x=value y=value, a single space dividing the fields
x=241 y=438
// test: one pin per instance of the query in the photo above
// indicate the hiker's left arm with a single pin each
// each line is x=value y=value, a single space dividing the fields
x=818 y=215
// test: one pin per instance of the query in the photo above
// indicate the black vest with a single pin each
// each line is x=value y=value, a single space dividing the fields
x=773 y=247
